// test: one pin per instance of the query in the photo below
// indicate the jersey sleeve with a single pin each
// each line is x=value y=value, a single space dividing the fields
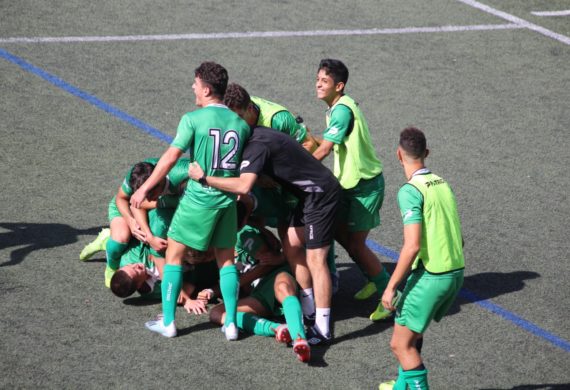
x=177 y=175
x=410 y=201
x=254 y=157
x=184 y=133
x=340 y=122
x=284 y=122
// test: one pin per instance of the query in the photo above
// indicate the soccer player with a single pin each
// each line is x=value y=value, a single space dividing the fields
x=205 y=217
x=260 y=112
x=311 y=227
x=273 y=295
x=124 y=224
x=432 y=251
x=359 y=171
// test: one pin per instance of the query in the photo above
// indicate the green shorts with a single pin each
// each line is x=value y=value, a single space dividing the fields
x=264 y=292
x=113 y=210
x=360 y=206
x=201 y=228
x=426 y=297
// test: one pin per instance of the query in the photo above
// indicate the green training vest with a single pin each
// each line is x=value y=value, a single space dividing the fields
x=355 y=158
x=441 y=246
x=267 y=110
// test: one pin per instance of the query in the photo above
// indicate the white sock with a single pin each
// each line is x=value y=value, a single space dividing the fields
x=307 y=301
x=322 y=320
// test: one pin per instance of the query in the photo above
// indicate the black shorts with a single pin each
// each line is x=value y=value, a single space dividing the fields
x=317 y=213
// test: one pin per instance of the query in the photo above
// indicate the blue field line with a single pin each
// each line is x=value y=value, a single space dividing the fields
x=468 y=295
x=85 y=96
x=390 y=254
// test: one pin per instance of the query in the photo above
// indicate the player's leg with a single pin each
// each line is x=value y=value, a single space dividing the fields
x=412 y=372
x=170 y=287
x=286 y=293
x=250 y=317
x=316 y=261
x=294 y=250
x=116 y=245
x=223 y=241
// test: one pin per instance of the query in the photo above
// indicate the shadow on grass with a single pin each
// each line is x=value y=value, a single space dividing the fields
x=476 y=288
x=29 y=237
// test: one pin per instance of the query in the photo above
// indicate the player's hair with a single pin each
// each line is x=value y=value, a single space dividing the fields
x=236 y=97
x=334 y=68
x=122 y=285
x=140 y=172
x=215 y=75
x=413 y=141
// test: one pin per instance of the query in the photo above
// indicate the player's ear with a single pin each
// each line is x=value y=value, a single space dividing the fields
x=427 y=153
x=339 y=86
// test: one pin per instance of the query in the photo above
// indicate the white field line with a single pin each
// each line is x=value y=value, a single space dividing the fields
x=261 y=34
x=518 y=21
x=552 y=13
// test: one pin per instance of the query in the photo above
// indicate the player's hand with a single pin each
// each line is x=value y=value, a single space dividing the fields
x=388 y=298
x=195 y=171
x=137 y=198
x=195 y=306
x=157 y=243
x=205 y=295
x=270 y=258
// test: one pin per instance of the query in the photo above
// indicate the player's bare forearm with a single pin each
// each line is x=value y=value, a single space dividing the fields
x=323 y=150
x=408 y=253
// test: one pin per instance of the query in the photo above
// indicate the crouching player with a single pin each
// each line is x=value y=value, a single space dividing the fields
x=274 y=294
x=432 y=250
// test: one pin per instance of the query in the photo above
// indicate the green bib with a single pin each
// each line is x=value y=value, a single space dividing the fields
x=441 y=246
x=355 y=158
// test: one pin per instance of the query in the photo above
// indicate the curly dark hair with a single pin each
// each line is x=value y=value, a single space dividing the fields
x=236 y=97
x=215 y=75
x=140 y=172
x=413 y=141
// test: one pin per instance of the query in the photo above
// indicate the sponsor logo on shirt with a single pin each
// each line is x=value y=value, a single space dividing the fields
x=244 y=164
x=333 y=130
x=407 y=214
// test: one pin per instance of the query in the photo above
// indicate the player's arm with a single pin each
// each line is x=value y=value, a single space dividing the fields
x=408 y=253
x=410 y=201
x=241 y=185
x=323 y=150
x=340 y=125
x=141 y=217
x=162 y=168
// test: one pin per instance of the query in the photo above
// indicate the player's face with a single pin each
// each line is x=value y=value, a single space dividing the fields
x=326 y=88
x=199 y=88
x=136 y=272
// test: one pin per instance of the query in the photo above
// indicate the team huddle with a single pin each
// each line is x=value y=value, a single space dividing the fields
x=252 y=215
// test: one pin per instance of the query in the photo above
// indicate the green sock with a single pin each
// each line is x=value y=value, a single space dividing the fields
x=256 y=325
x=331 y=259
x=114 y=251
x=400 y=381
x=381 y=281
x=294 y=317
x=170 y=287
x=416 y=379
x=229 y=285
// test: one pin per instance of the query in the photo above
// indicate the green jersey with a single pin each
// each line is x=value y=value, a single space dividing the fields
x=215 y=136
x=176 y=177
x=354 y=155
x=279 y=118
x=429 y=200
